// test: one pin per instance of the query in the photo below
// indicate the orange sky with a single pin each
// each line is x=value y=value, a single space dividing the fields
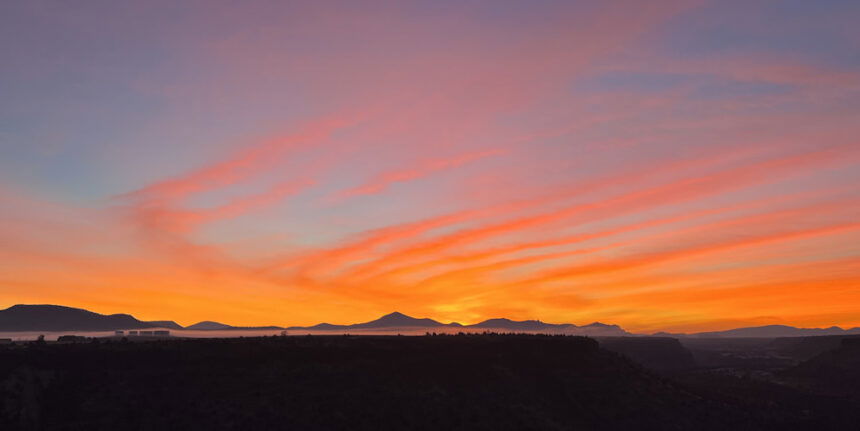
x=673 y=166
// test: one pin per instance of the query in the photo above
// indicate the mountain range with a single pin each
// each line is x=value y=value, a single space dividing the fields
x=398 y=320
x=208 y=325
x=54 y=318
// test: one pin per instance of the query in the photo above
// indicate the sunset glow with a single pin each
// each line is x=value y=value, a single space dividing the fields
x=667 y=165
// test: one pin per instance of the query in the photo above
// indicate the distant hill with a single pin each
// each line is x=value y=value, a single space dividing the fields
x=208 y=325
x=598 y=329
x=167 y=324
x=396 y=320
x=388 y=321
x=59 y=318
x=321 y=327
x=523 y=325
x=770 y=331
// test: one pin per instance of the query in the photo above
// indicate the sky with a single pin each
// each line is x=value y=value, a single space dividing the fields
x=661 y=165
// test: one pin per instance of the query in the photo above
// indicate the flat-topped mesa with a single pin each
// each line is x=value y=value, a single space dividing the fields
x=769 y=331
x=45 y=317
x=208 y=325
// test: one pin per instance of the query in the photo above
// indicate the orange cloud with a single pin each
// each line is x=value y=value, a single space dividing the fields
x=386 y=179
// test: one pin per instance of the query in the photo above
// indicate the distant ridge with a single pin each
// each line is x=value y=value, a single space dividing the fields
x=524 y=325
x=595 y=328
x=388 y=321
x=56 y=318
x=769 y=331
x=166 y=324
x=399 y=320
x=208 y=325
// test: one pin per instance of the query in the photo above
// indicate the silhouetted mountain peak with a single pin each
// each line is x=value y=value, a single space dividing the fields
x=600 y=325
x=394 y=317
x=167 y=324
x=208 y=325
x=390 y=320
x=397 y=319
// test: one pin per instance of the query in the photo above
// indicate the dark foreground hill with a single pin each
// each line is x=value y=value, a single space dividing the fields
x=656 y=353
x=359 y=383
x=833 y=372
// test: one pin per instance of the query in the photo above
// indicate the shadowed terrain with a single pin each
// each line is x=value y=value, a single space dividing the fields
x=464 y=382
